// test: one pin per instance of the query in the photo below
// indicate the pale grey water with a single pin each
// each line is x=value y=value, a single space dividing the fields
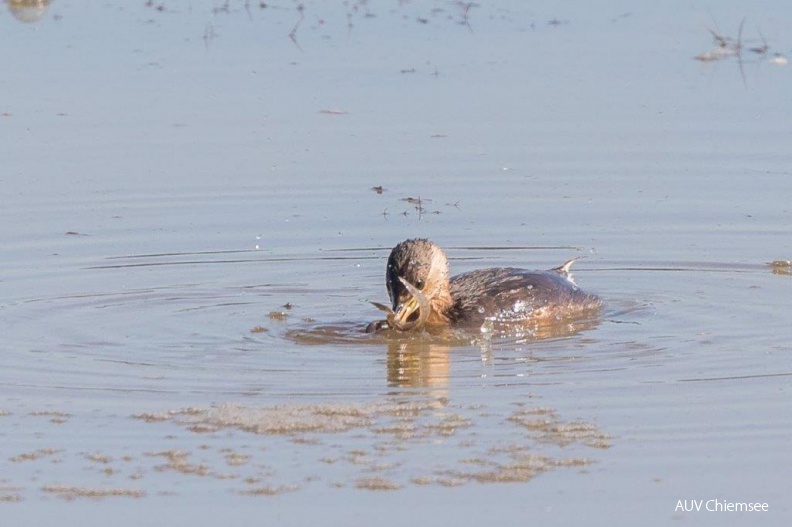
x=201 y=163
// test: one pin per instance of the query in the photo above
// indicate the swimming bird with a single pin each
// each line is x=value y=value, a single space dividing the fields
x=425 y=297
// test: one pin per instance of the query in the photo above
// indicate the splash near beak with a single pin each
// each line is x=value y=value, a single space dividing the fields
x=413 y=313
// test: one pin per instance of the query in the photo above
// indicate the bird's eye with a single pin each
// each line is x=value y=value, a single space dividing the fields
x=419 y=284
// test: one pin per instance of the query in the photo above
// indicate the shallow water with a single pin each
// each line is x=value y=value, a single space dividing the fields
x=193 y=232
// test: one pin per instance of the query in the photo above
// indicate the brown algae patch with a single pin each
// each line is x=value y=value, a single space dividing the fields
x=34 y=455
x=236 y=459
x=782 y=267
x=564 y=434
x=442 y=481
x=56 y=417
x=547 y=427
x=70 y=492
x=177 y=462
x=97 y=457
x=10 y=494
x=517 y=472
x=402 y=441
x=278 y=316
x=383 y=445
x=279 y=419
x=522 y=467
x=448 y=425
x=376 y=483
x=306 y=440
x=153 y=418
x=268 y=490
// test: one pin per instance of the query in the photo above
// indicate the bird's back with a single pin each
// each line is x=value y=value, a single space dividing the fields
x=508 y=293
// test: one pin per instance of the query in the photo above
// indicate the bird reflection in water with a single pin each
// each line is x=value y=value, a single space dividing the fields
x=426 y=362
x=28 y=11
x=419 y=364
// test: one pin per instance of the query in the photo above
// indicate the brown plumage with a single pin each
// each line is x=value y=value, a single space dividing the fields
x=424 y=296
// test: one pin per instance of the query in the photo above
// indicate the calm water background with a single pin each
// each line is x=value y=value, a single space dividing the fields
x=173 y=177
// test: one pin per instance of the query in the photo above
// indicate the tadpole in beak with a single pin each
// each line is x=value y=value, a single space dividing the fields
x=382 y=307
x=403 y=319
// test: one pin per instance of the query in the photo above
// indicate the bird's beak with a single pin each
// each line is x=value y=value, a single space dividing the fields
x=403 y=314
x=405 y=310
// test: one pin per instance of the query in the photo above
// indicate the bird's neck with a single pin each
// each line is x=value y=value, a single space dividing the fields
x=441 y=307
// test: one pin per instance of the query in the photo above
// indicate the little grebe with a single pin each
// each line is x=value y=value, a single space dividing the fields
x=423 y=296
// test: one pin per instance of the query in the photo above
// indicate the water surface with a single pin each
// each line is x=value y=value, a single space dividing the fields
x=193 y=229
